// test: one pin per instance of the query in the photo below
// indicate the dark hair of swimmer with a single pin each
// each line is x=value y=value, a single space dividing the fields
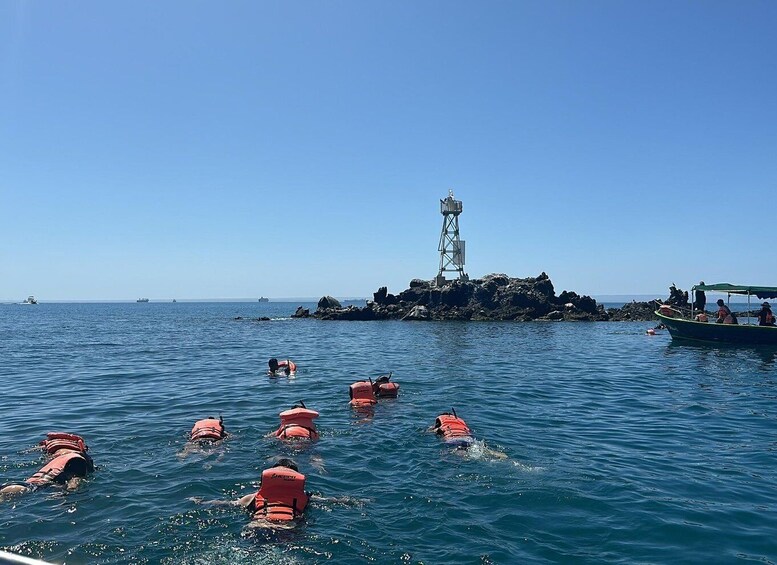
x=273 y=363
x=299 y=404
x=287 y=463
x=76 y=467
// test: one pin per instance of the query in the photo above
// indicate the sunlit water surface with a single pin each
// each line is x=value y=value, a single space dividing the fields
x=621 y=447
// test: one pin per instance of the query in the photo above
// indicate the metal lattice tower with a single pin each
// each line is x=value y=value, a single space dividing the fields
x=451 y=248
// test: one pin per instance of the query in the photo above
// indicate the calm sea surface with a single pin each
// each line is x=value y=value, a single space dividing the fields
x=623 y=448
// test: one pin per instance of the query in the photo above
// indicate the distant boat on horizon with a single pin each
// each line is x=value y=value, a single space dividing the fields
x=30 y=300
x=142 y=300
x=174 y=300
x=263 y=299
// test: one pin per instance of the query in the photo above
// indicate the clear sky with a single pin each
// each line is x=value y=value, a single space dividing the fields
x=204 y=149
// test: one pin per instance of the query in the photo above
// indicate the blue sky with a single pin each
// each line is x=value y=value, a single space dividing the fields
x=201 y=149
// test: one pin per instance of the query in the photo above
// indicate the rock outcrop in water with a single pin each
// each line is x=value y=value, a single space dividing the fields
x=494 y=297
x=634 y=311
x=642 y=311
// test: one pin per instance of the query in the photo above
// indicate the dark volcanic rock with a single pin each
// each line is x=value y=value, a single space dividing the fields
x=383 y=297
x=301 y=313
x=328 y=302
x=643 y=311
x=494 y=297
x=677 y=297
x=634 y=311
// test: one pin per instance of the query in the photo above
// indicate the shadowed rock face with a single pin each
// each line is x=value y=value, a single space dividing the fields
x=328 y=302
x=494 y=297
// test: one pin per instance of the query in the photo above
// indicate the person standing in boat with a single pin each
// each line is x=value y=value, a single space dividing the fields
x=725 y=315
x=700 y=298
x=765 y=316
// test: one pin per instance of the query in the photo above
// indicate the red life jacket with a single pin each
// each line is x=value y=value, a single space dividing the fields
x=54 y=468
x=281 y=497
x=385 y=390
x=297 y=423
x=667 y=311
x=362 y=394
x=56 y=441
x=207 y=429
x=769 y=318
x=452 y=427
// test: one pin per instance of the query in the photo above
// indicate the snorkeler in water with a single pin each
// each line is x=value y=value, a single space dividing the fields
x=204 y=434
x=285 y=367
x=457 y=434
x=297 y=423
x=208 y=430
x=281 y=499
x=65 y=469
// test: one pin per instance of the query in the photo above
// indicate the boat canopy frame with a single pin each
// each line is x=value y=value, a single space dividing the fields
x=762 y=292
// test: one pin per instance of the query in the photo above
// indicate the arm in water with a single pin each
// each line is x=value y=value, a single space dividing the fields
x=243 y=501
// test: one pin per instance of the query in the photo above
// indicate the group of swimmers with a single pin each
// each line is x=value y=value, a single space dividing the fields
x=281 y=498
x=726 y=316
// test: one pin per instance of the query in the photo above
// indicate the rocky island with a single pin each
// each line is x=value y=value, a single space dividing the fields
x=493 y=297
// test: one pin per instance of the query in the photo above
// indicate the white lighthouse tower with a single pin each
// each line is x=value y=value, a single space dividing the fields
x=451 y=248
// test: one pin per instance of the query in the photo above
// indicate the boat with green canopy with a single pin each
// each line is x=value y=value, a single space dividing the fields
x=693 y=329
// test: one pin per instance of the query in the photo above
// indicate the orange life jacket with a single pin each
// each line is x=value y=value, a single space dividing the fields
x=667 y=310
x=56 y=441
x=209 y=429
x=281 y=496
x=54 y=468
x=385 y=390
x=452 y=427
x=297 y=423
x=362 y=394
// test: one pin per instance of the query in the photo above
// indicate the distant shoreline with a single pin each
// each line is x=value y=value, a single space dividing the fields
x=600 y=298
x=180 y=300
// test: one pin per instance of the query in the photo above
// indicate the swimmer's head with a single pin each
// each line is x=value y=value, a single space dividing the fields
x=464 y=442
x=287 y=463
x=273 y=363
x=76 y=467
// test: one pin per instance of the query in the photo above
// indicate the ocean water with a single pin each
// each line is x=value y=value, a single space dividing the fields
x=621 y=447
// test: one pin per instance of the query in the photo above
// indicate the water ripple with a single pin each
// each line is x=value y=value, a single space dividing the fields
x=619 y=447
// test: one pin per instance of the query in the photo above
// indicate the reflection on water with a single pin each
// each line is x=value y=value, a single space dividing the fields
x=765 y=354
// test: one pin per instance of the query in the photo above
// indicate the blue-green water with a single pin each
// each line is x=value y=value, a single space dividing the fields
x=622 y=447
